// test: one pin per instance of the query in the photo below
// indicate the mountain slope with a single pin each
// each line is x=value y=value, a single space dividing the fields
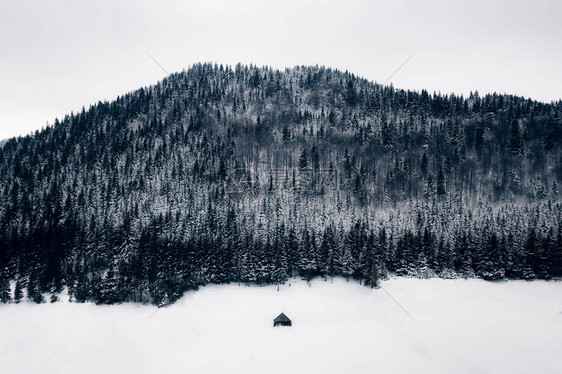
x=222 y=174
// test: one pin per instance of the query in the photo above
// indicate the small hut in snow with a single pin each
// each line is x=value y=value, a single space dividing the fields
x=282 y=320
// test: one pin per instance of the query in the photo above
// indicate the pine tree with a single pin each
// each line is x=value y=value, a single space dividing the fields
x=386 y=135
x=18 y=292
x=441 y=183
x=280 y=269
x=515 y=141
x=359 y=190
x=286 y=136
x=424 y=164
x=489 y=266
x=33 y=288
x=528 y=256
x=351 y=94
x=315 y=157
x=328 y=253
x=348 y=265
x=556 y=260
x=429 y=187
x=479 y=139
x=372 y=261
x=5 y=292
x=543 y=262
x=303 y=160
x=549 y=136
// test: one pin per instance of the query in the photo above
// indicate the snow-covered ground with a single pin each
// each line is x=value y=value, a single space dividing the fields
x=460 y=326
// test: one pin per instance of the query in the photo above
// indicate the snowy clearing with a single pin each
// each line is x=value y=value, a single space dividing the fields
x=461 y=326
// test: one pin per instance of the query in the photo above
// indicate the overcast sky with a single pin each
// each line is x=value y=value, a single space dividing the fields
x=59 y=55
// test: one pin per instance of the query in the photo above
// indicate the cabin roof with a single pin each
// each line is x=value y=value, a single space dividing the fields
x=282 y=318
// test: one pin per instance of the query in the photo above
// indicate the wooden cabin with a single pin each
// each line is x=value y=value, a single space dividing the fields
x=282 y=320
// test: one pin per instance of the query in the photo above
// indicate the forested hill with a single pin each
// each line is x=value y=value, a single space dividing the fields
x=221 y=174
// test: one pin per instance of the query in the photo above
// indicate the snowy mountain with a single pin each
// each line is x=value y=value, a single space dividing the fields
x=221 y=174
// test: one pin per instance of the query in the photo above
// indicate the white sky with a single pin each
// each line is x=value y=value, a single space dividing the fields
x=59 y=55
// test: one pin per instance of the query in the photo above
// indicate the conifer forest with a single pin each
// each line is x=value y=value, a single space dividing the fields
x=223 y=174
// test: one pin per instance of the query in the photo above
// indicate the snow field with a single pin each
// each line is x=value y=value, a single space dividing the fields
x=460 y=326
